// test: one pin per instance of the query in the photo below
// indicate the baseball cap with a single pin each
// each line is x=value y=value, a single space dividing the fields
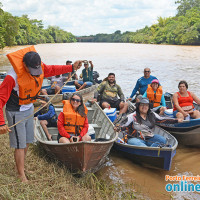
x=139 y=97
x=33 y=62
x=144 y=100
x=68 y=61
x=155 y=81
x=85 y=62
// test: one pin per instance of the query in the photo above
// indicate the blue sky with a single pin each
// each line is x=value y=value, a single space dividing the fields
x=86 y=17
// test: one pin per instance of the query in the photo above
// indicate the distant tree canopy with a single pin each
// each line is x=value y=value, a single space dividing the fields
x=23 y=31
x=182 y=29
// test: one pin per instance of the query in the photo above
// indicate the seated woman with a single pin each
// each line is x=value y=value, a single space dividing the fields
x=73 y=122
x=155 y=95
x=183 y=102
x=142 y=121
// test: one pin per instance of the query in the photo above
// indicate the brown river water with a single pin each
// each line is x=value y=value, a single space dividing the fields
x=169 y=64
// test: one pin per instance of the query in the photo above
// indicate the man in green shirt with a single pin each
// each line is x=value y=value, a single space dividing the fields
x=109 y=92
x=87 y=75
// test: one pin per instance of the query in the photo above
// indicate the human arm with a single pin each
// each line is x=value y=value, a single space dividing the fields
x=100 y=89
x=195 y=98
x=60 y=125
x=53 y=70
x=163 y=101
x=48 y=115
x=6 y=88
x=137 y=86
x=167 y=120
x=91 y=64
x=120 y=93
x=85 y=128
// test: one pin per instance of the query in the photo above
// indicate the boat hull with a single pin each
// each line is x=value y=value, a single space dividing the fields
x=154 y=157
x=187 y=133
x=81 y=157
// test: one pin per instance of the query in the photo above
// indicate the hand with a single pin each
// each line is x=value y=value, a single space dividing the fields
x=129 y=99
x=185 y=114
x=35 y=118
x=117 y=128
x=4 y=129
x=74 y=139
x=90 y=62
x=77 y=64
x=180 y=120
x=94 y=100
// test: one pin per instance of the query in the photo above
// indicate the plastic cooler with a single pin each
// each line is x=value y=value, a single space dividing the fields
x=69 y=88
x=111 y=113
x=169 y=112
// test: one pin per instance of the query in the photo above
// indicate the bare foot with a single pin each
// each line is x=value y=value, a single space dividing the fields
x=23 y=179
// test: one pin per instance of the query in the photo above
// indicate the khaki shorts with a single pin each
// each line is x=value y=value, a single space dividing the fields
x=22 y=133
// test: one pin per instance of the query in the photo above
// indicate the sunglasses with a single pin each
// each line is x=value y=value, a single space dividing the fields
x=147 y=71
x=76 y=100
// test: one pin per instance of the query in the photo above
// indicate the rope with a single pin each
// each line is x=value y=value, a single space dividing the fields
x=50 y=100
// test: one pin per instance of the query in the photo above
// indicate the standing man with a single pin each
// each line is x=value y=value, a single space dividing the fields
x=87 y=75
x=109 y=92
x=142 y=83
x=18 y=91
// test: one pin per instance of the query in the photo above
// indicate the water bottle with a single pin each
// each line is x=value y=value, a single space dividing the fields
x=187 y=117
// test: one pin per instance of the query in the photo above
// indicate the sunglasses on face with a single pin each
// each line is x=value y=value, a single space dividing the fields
x=147 y=71
x=76 y=100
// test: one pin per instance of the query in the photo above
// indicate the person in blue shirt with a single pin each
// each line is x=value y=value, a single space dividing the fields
x=142 y=83
x=47 y=117
x=156 y=97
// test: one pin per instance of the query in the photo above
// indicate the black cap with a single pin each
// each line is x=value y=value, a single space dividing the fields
x=33 y=62
x=68 y=61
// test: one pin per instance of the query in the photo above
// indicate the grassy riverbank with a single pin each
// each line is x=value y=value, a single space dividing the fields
x=50 y=180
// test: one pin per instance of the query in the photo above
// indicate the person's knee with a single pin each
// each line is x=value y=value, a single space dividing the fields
x=105 y=105
x=86 y=138
x=64 y=140
x=43 y=122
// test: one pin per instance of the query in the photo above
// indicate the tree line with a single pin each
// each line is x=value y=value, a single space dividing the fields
x=24 y=31
x=182 y=29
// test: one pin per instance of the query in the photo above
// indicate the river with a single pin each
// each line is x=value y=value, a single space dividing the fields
x=169 y=64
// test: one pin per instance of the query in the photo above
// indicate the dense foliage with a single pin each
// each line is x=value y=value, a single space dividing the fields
x=23 y=31
x=182 y=29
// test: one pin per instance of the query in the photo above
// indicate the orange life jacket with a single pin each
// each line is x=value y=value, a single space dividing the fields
x=154 y=98
x=28 y=88
x=73 y=121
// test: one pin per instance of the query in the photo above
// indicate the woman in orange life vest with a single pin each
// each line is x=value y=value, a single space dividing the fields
x=73 y=121
x=183 y=102
x=155 y=95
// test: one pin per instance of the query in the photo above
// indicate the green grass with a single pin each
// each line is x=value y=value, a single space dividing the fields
x=49 y=179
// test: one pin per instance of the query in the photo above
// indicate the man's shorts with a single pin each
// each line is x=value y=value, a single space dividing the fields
x=113 y=104
x=51 y=123
x=22 y=133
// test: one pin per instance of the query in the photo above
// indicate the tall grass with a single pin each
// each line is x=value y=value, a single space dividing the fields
x=48 y=179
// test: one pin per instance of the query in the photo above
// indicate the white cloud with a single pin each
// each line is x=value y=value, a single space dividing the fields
x=85 y=17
